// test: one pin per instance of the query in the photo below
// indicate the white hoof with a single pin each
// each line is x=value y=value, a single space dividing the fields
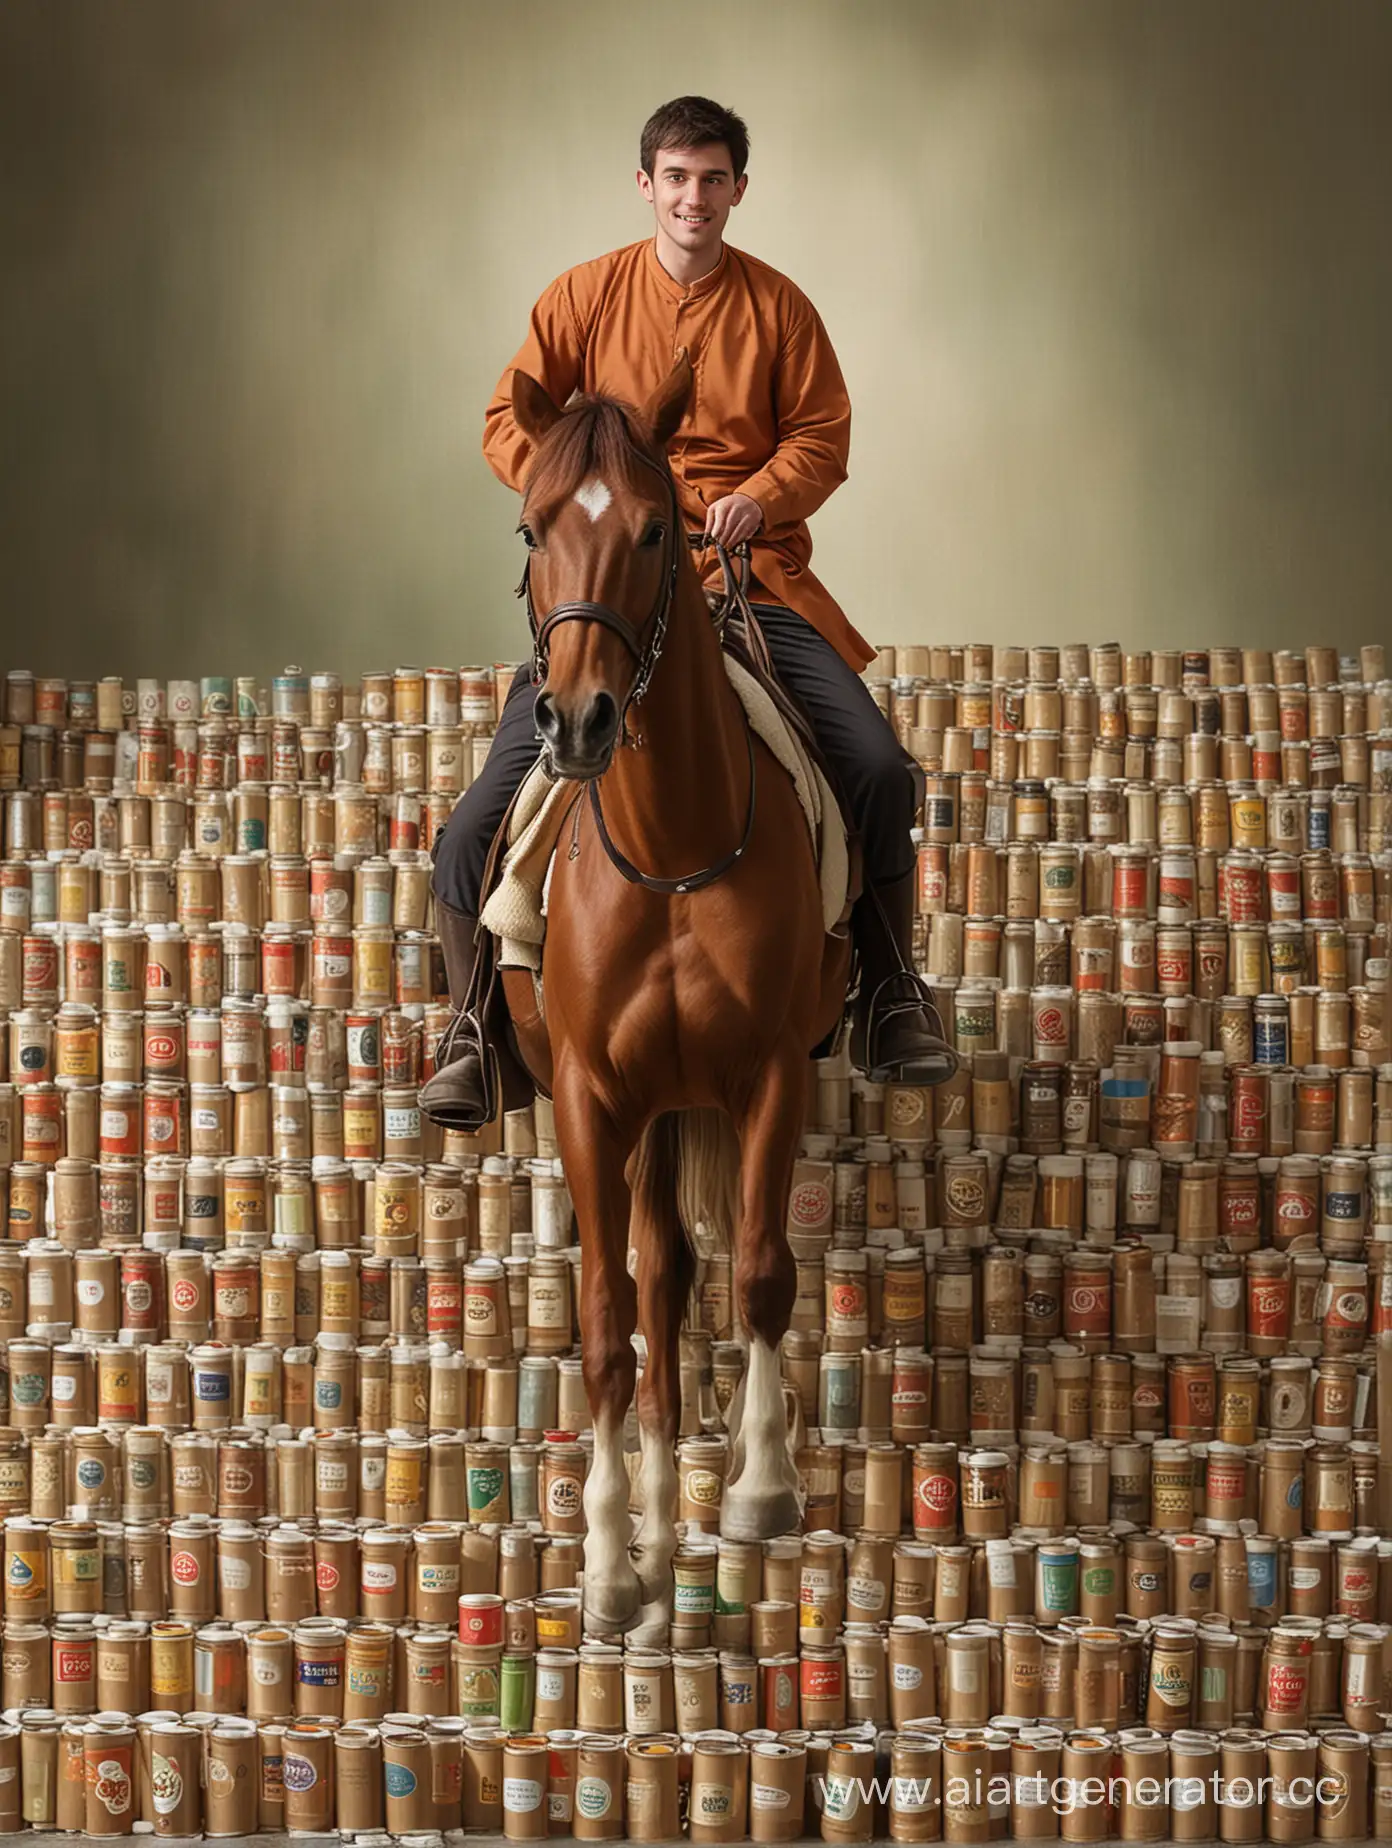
x=613 y=1602
x=653 y=1628
x=654 y=1568
x=748 y=1513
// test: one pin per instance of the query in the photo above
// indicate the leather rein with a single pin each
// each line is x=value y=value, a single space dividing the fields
x=645 y=644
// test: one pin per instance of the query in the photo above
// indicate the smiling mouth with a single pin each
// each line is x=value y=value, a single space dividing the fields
x=686 y=219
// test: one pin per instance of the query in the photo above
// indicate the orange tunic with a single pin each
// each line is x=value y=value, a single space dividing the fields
x=769 y=415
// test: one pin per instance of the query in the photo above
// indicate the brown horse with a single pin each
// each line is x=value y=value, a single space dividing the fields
x=686 y=975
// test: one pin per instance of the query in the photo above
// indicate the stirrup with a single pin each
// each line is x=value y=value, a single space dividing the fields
x=905 y=992
x=464 y=1031
x=446 y=1047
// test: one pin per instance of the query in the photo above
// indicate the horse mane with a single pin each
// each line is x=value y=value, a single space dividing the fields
x=595 y=435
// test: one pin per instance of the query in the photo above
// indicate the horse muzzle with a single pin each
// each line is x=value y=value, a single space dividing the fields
x=580 y=735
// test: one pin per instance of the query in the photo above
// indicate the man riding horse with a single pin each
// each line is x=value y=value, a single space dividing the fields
x=763 y=444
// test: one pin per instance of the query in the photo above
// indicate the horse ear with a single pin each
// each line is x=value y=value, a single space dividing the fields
x=664 y=410
x=532 y=406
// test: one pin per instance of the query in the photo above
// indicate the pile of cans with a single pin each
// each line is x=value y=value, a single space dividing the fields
x=1085 y=1373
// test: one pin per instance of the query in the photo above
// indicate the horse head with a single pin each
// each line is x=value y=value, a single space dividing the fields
x=605 y=549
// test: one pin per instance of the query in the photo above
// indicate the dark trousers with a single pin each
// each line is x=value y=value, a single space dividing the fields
x=883 y=784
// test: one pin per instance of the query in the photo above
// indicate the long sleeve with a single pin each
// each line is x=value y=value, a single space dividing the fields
x=814 y=426
x=554 y=354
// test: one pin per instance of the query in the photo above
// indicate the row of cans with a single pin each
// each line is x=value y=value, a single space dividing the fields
x=934 y=1631
x=423 y=1777
x=1097 y=1428
x=412 y=695
x=1175 y=1099
x=1062 y=882
x=420 y=1783
x=405 y=696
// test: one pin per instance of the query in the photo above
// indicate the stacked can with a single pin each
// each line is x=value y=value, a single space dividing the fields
x=1083 y=1377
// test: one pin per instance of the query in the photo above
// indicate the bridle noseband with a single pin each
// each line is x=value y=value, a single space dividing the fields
x=646 y=649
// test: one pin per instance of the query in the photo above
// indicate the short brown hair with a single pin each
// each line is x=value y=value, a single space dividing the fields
x=690 y=122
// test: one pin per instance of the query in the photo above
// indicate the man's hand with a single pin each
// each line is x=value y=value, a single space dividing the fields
x=733 y=518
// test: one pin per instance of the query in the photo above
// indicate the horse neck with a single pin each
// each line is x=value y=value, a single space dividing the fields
x=679 y=801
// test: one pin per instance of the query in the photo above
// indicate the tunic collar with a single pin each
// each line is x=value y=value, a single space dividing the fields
x=686 y=292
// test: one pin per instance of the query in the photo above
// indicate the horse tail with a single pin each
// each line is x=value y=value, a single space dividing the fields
x=688 y=1161
x=688 y=1164
x=707 y=1179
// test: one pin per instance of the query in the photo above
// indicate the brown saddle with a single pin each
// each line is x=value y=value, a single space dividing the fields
x=497 y=992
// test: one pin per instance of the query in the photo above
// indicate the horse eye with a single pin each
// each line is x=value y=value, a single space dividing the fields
x=654 y=535
x=528 y=538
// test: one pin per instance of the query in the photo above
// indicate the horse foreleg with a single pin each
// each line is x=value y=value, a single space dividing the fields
x=665 y=1271
x=595 y=1155
x=765 y=1497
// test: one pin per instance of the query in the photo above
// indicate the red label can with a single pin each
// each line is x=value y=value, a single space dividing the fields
x=74 y=1662
x=183 y=764
x=481 y=1619
x=404 y=825
x=82 y=967
x=183 y=1567
x=42 y=1123
x=253 y=764
x=1283 y=888
x=935 y=1500
x=1247 y=1110
x=278 y=966
x=330 y=891
x=39 y=971
x=933 y=874
x=142 y=1290
x=1174 y=964
x=1226 y=1479
x=286 y=1050
x=444 y=1304
x=1192 y=1398
x=1296 y=1214
x=399 y=1050
x=1286 y=1684
x=1087 y=1306
x=1266 y=764
x=823 y=1680
x=1240 y=894
x=1130 y=883
x=1269 y=1306
x=162 y=1049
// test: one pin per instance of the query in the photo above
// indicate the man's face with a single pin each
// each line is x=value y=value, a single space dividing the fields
x=691 y=192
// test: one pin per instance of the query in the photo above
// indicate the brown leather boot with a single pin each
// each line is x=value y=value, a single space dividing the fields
x=457 y=1097
x=898 y=1035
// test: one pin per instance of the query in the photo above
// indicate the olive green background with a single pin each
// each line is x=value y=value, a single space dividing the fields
x=1110 y=281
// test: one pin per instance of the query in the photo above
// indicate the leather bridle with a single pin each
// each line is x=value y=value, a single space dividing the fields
x=645 y=644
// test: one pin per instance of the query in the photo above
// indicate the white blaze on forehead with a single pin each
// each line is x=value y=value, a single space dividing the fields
x=594 y=496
